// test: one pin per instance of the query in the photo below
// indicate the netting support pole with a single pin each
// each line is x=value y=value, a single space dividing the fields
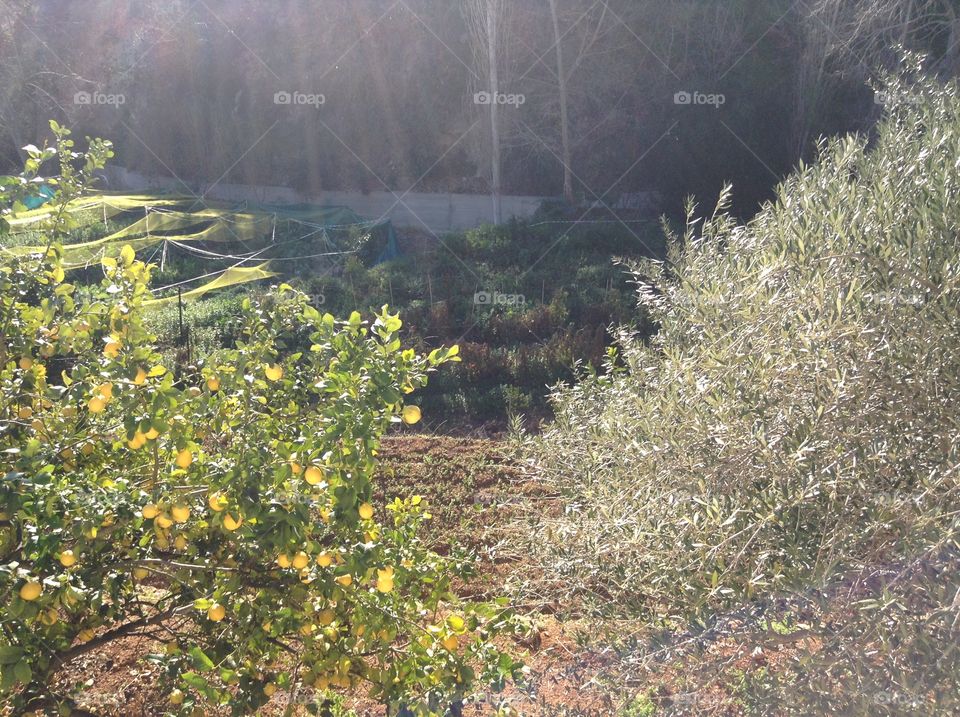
x=163 y=257
x=180 y=311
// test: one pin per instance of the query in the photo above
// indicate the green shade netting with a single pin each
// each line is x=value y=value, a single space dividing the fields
x=231 y=277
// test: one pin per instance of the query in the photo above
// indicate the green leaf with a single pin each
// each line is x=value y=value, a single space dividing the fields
x=22 y=672
x=195 y=681
x=10 y=654
x=200 y=660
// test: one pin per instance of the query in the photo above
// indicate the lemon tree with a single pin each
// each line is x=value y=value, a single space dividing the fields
x=225 y=509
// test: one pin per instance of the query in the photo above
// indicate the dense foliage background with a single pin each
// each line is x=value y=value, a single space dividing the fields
x=198 y=81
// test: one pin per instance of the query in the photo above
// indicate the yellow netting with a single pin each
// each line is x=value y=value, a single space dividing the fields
x=156 y=222
x=76 y=256
x=104 y=206
x=231 y=277
x=225 y=228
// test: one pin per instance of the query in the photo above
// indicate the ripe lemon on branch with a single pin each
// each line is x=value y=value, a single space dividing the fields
x=411 y=415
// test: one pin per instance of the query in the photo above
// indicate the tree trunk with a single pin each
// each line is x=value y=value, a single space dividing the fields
x=564 y=116
x=494 y=108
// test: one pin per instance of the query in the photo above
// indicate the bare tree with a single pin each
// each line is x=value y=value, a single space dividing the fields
x=846 y=39
x=564 y=113
x=487 y=21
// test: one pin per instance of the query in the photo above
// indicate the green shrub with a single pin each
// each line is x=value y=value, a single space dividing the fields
x=792 y=428
x=241 y=491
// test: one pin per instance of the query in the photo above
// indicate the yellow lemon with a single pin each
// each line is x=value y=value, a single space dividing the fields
x=31 y=590
x=283 y=560
x=275 y=372
x=138 y=441
x=345 y=580
x=326 y=617
x=366 y=511
x=105 y=390
x=301 y=560
x=296 y=468
x=111 y=350
x=411 y=415
x=216 y=612
x=26 y=363
x=176 y=697
x=231 y=523
x=150 y=511
x=180 y=543
x=164 y=521
x=313 y=475
x=324 y=560
x=184 y=458
x=96 y=404
x=269 y=689
x=25 y=413
x=153 y=434
x=456 y=623
x=67 y=558
x=140 y=573
x=140 y=378
x=451 y=642
x=385 y=580
x=217 y=502
x=49 y=617
x=85 y=635
x=180 y=513
x=213 y=383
